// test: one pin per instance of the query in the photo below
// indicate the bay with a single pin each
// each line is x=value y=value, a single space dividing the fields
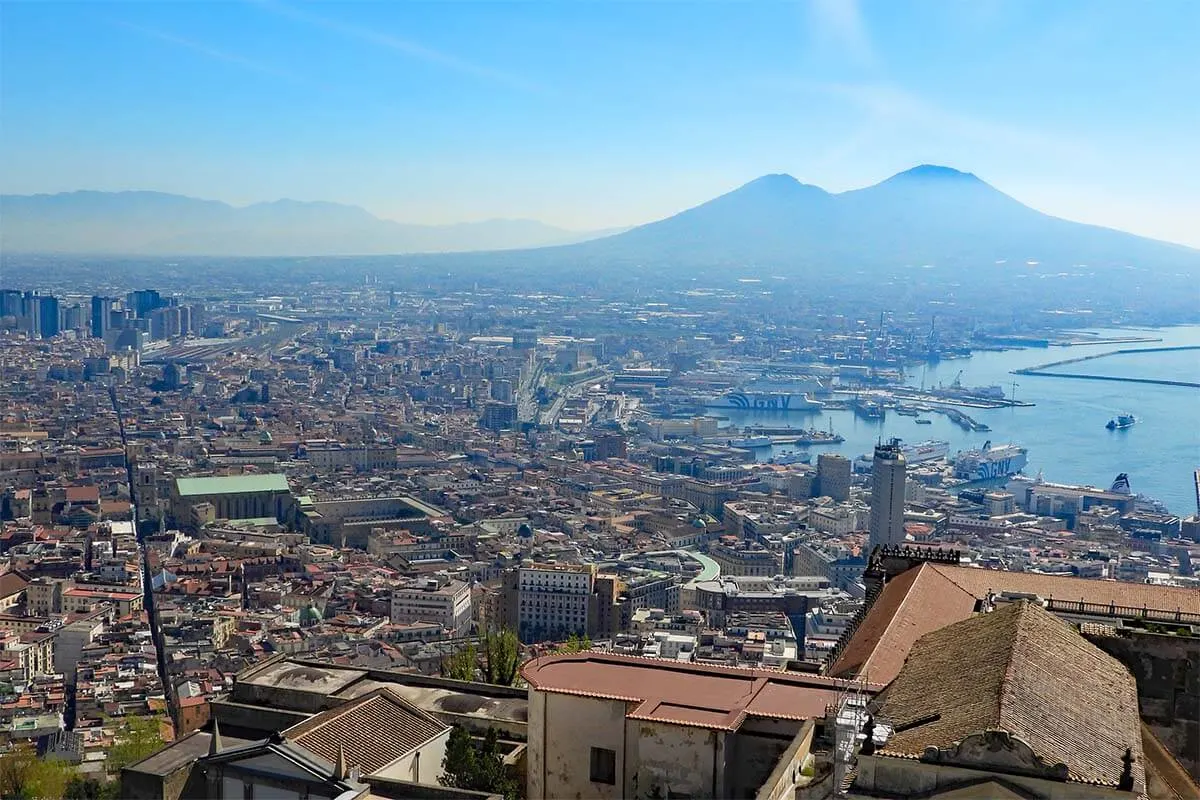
x=1064 y=431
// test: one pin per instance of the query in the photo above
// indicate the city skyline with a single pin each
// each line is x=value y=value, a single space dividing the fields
x=590 y=117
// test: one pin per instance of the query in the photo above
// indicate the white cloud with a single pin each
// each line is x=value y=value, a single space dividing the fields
x=840 y=24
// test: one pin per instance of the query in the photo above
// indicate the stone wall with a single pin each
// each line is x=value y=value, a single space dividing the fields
x=1167 y=669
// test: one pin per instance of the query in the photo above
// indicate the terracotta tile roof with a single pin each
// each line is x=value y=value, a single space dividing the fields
x=1136 y=595
x=911 y=605
x=12 y=583
x=687 y=694
x=1023 y=670
x=82 y=494
x=931 y=596
x=375 y=730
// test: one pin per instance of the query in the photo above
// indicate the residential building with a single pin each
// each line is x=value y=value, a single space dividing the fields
x=608 y=726
x=833 y=476
x=444 y=601
x=554 y=601
x=745 y=558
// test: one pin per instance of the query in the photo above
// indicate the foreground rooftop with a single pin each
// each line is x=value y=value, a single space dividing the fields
x=720 y=698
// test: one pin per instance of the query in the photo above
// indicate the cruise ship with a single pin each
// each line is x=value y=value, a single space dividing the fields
x=764 y=401
x=990 y=461
x=930 y=450
x=921 y=452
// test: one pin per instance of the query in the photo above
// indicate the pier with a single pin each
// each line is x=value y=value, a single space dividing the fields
x=962 y=420
x=1047 y=370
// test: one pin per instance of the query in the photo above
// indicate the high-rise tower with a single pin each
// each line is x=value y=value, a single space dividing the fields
x=888 y=473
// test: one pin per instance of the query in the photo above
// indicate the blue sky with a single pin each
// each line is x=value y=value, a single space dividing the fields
x=592 y=114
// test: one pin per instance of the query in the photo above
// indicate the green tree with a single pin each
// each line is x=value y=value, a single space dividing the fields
x=461 y=665
x=24 y=776
x=137 y=738
x=574 y=644
x=478 y=765
x=92 y=789
x=502 y=657
x=497 y=657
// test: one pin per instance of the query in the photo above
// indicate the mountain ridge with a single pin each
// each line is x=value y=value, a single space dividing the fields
x=928 y=214
x=148 y=222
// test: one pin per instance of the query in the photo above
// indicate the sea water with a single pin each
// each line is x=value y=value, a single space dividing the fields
x=1064 y=431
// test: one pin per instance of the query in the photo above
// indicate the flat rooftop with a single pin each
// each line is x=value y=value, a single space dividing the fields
x=307 y=677
x=432 y=695
x=231 y=484
x=182 y=752
x=685 y=694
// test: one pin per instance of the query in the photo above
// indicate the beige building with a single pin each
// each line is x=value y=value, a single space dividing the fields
x=336 y=455
x=554 y=601
x=444 y=601
x=32 y=652
x=80 y=600
x=611 y=726
x=745 y=558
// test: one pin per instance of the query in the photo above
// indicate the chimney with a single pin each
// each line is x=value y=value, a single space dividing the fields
x=339 y=769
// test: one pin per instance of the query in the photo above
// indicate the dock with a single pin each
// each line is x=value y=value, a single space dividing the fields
x=1048 y=370
x=962 y=420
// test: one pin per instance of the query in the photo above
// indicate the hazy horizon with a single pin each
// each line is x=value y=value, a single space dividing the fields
x=589 y=117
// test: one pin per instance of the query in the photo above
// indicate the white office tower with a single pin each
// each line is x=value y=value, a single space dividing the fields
x=887 y=495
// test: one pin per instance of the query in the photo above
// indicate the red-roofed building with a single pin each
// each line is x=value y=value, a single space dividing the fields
x=608 y=726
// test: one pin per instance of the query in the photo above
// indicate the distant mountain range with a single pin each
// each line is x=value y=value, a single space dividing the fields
x=154 y=223
x=929 y=215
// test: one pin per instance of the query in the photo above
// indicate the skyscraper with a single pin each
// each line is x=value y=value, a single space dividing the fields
x=48 y=322
x=888 y=473
x=143 y=301
x=833 y=476
x=101 y=316
x=10 y=303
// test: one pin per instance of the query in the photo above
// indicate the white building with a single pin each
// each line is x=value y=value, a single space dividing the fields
x=553 y=601
x=446 y=602
x=673 y=646
x=888 y=474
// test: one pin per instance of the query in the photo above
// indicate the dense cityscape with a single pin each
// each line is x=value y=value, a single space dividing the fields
x=423 y=544
x=495 y=400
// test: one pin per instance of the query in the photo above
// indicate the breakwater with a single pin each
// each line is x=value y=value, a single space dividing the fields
x=1048 y=370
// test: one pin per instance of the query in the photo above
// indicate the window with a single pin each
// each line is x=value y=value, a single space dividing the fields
x=604 y=766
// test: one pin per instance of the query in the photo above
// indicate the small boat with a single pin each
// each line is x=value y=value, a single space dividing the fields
x=923 y=421
x=1121 y=422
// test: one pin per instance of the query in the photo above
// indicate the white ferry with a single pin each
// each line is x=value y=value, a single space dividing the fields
x=990 y=461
